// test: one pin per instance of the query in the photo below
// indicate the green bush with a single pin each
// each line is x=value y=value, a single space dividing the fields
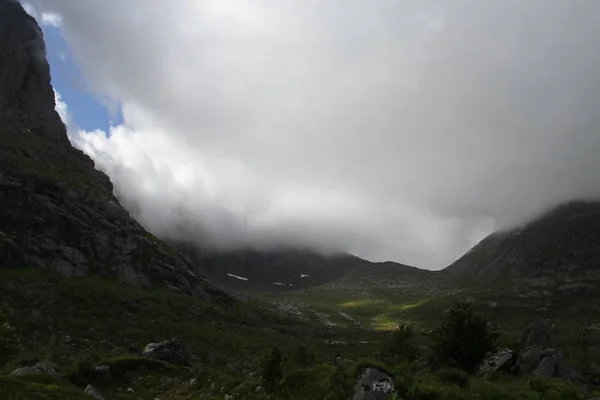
x=554 y=389
x=302 y=357
x=9 y=340
x=453 y=376
x=401 y=346
x=340 y=388
x=404 y=377
x=272 y=372
x=463 y=337
x=436 y=391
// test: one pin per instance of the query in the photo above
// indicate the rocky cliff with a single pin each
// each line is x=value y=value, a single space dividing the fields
x=56 y=210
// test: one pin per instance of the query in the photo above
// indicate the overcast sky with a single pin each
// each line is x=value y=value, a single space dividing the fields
x=397 y=130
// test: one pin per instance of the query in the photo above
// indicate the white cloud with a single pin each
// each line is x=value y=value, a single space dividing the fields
x=61 y=107
x=402 y=130
x=51 y=19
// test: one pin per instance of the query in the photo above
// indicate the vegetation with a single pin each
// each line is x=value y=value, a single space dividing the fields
x=401 y=347
x=463 y=337
x=109 y=323
x=9 y=340
x=272 y=369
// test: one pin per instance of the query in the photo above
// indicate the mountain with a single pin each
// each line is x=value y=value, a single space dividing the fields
x=57 y=211
x=269 y=270
x=562 y=243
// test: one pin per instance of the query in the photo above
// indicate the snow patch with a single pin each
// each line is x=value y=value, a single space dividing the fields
x=241 y=278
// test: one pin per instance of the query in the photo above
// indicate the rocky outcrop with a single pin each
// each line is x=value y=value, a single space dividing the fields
x=503 y=361
x=57 y=211
x=26 y=99
x=172 y=351
x=373 y=384
x=537 y=357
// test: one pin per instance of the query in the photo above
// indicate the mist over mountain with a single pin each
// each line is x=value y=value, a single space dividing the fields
x=405 y=131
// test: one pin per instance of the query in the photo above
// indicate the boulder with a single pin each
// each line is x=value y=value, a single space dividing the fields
x=40 y=368
x=538 y=356
x=503 y=361
x=171 y=350
x=373 y=384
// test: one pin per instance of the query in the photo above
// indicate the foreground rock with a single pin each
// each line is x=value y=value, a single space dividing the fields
x=537 y=356
x=502 y=361
x=373 y=384
x=93 y=392
x=172 y=351
x=39 y=369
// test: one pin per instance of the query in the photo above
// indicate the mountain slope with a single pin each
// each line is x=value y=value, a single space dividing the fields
x=57 y=211
x=563 y=242
x=269 y=270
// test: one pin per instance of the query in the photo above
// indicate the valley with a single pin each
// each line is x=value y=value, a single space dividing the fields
x=93 y=305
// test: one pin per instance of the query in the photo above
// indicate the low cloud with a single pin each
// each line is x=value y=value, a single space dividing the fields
x=396 y=130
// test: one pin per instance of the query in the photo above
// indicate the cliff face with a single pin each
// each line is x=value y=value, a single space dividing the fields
x=56 y=210
x=26 y=96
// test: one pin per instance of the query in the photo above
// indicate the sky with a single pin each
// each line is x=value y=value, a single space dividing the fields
x=396 y=130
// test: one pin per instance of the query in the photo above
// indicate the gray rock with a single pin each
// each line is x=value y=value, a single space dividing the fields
x=171 y=350
x=539 y=357
x=546 y=367
x=46 y=368
x=502 y=361
x=102 y=371
x=373 y=384
x=26 y=371
x=40 y=368
x=93 y=392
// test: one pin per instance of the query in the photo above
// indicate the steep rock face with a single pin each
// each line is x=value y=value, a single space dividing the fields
x=26 y=96
x=56 y=210
x=563 y=242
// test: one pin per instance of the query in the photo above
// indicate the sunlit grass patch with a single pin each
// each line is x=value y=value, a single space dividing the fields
x=361 y=303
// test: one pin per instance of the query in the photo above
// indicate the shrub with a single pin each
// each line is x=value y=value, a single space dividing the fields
x=272 y=369
x=554 y=389
x=453 y=376
x=404 y=378
x=435 y=391
x=339 y=388
x=9 y=340
x=463 y=337
x=302 y=357
x=401 y=346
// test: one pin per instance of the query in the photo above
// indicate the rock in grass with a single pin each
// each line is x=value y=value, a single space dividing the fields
x=172 y=351
x=40 y=369
x=373 y=384
x=93 y=392
x=503 y=361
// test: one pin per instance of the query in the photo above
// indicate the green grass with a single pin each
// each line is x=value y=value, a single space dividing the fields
x=19 y=389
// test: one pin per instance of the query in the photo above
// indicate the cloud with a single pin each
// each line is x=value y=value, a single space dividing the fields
x=61 y=108
x=396 y=130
